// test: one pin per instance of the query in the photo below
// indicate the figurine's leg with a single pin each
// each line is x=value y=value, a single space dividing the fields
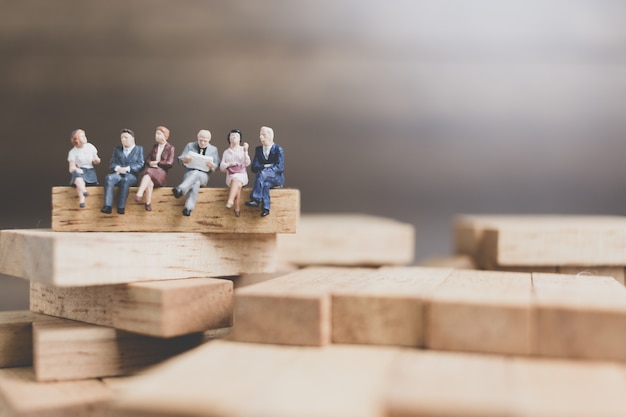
x=81 y=190
x=109 y=182
x=143 y=185
x=149 y=190
x=257 y=190
x=188 y=180
x=192 y=196
x=126 y=182
x=235 y=188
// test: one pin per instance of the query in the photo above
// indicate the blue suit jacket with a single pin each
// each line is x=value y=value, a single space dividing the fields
x=134 y=160
x=276 y=158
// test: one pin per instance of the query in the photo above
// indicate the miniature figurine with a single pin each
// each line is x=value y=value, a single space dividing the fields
x=269 y=166
x=200 y=159
x=81 y=158
x=127 y=161
x=234 y=162
x=158 y=162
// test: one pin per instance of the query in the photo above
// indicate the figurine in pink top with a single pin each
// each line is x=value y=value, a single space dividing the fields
x=234 y=162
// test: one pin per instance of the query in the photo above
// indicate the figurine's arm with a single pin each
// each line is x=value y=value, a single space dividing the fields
x=137 y=163
x=183 y=158
x=73 y=167
x=216 y=159
x=279 y=165
x=257 y=165
x=246 y=156
x=226 y=161
x=96 y=158
x=167 y=158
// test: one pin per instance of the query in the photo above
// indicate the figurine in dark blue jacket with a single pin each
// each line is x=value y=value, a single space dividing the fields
x=269 y=166
x=126 y=163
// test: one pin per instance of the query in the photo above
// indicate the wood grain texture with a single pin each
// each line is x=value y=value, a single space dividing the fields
x=386 y=307
x=70 y=350
x=277 y=381
x=158 y=308
x=292 y=309
x=85 y=259
x=22 y=396
x=16 y=337
x=209 y=216
x=616 y=272
x=482 y=311
x=580 y=317
x=348 y=240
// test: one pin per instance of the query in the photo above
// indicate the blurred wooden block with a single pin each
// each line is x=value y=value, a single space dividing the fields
x=209 y=216
x=348 y=240
x=85 y=259
x=22 y=396
x=580 y=317
x=387 y=307
x=16 y=337
x=600 y=271
x=482 y=311
x=293 y=309
x=536 y=240
x=66 y=350
x=157 y=308
x=277 y=381
x=456 y=261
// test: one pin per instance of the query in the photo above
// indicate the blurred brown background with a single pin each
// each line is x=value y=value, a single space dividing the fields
x=411 y=109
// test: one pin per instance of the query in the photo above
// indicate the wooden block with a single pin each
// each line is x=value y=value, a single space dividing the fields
x=348 y=240
x=209 y=216
x=16 y=337
x=293 y=309
x=158 y=308
x=456 y=261
x=22 y=396
x=67 y=350
x=386 y=307
x=556 y=240
x=601 y=271
x=251 y=279
x=425 y=384
x=277 y=381
x=481 y=311
x=85 y=259
x=580 y=317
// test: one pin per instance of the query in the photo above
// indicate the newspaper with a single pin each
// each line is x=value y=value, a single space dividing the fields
x=198 y=161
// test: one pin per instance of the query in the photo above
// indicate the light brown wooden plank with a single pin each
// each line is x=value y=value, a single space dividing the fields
x=386 y=307
x=158 y=308
x=616 y=272
x=22 y=396
x=580 y=317
x=16 y=337
x=348 y=240
x=68 y=350
x=292 y=309
x=209 y=216
x=242 y=379
x=84 y=259
x=454 y=261
x=481 y=311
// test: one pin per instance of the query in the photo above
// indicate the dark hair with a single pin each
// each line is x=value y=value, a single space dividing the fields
x=234 y=131
x=130 y=132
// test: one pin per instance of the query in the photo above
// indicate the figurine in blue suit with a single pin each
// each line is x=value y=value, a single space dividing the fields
x=126 y=163
x=269 y=166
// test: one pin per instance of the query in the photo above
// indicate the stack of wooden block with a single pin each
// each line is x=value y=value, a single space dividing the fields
x=592 y=245
x=113 y=294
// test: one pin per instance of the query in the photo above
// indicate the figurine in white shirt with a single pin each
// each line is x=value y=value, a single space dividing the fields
x=82 y=158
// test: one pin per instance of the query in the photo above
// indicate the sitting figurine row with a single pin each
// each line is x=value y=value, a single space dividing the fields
x=129 y=168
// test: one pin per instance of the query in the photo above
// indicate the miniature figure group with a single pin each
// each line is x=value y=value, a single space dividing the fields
x=129 y=168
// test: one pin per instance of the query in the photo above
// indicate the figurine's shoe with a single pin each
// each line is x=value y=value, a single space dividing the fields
x=138 y=199
x=106 y=210
x=252 y=203
x=265 y=212
x=237 y=213
x=85 y=193
x=177 y=193
x=121 y=210
x=148 y=206
x=81 y=205
x=186 y=212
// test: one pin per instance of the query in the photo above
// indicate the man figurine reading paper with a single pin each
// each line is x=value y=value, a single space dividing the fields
x=200 y=159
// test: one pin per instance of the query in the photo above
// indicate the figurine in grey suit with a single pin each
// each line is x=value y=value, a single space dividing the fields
x=127 y=161
x=197 y=176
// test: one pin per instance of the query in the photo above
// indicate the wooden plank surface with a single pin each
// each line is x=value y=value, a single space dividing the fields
x=84 y=259
x=209 y=216
x=157 y=308
x=22 y=396
x=16 y=337
x=387 y=307
x=69 y=350
x=482 y=311
x=348 y=240
x=580 y=317
x=616 y=272
x=292 y=309
x=270 y=380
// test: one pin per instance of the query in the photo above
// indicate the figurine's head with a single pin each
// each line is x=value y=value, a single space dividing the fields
x=127 y=137
x=266 y=136
x=78 y=138
x=234 y=136
x=162 y=134
x=204 y=137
